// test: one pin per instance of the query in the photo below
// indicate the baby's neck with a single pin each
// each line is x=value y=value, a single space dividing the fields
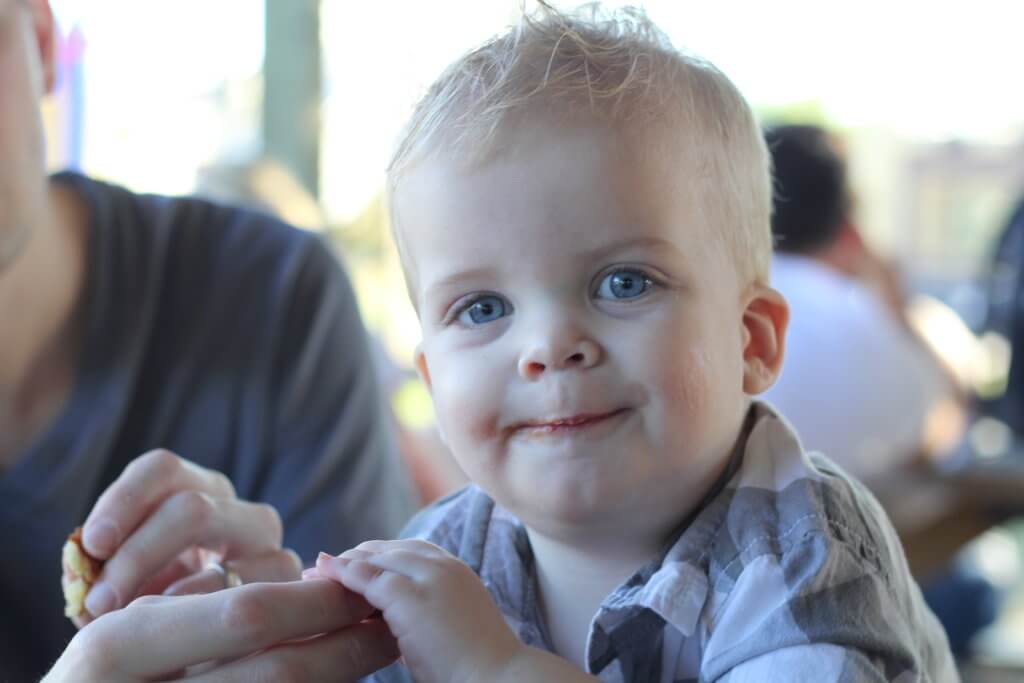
x=574 y=580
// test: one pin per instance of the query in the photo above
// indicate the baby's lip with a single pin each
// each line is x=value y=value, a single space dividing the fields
x=576 y=421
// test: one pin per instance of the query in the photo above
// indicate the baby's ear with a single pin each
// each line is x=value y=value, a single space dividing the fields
x=420 y=361
x=765 y=317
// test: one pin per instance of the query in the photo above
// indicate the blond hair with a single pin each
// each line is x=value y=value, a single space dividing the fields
x=615 y=67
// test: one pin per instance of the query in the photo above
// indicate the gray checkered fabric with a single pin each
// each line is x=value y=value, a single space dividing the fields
x=790 y=571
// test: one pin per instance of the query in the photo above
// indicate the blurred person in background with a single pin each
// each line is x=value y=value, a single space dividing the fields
x=1006 y=315
x=267 y=185
x=858 y=383
x=130 y=323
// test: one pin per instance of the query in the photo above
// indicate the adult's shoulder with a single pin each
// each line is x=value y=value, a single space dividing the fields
x=199 y=240
x=191 y=285
x=246 y=244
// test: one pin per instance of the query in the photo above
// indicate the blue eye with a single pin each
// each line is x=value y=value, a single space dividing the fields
x=623 y=284
x=484 y=310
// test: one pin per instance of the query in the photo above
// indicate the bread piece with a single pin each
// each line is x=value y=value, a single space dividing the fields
x=80 y=570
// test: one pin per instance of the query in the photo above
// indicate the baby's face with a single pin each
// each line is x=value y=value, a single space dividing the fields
x=583 y=333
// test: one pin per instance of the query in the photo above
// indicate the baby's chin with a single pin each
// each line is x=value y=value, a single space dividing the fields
x=564 y=511
x=620 y=511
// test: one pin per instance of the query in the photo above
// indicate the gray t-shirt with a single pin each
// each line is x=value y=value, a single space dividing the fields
x=233 y=340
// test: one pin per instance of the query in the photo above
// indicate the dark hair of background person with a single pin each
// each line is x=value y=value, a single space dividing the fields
x=1005 y=303
x=810 y=201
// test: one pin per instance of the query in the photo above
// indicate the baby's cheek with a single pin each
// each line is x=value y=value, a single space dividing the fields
x=703 y=397
x=467 y=407
x=684 y=385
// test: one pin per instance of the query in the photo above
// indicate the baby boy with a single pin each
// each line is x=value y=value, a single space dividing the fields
x=582 y=213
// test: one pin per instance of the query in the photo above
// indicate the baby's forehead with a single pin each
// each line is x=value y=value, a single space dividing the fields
x=556 y=171
x=572 y=143
x=534 y=220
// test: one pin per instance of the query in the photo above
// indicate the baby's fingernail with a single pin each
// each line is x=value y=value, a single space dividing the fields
x=100 y=538
x=100 y=600
x=323 y=556
x=311 y=573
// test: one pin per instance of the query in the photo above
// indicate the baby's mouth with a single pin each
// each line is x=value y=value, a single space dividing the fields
x=564 y=425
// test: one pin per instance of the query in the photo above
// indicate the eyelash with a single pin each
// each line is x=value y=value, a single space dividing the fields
x=654 y=281
x=463 y=304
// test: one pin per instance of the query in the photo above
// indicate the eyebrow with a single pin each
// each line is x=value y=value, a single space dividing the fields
x=458 y=277
x=654 y=243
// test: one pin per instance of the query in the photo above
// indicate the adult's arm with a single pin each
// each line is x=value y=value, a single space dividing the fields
x=333 y=471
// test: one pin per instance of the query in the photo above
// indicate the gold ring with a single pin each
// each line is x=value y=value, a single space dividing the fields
x=230 y=576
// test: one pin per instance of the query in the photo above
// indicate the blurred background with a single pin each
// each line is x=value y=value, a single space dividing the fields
x=294 y=104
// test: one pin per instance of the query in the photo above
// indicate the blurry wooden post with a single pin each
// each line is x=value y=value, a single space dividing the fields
x=292 y=88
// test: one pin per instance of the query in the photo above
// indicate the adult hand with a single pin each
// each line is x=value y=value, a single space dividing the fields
x=295 y=631
x=162 y=522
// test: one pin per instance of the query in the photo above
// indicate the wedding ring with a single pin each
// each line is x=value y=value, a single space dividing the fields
x=231 y=577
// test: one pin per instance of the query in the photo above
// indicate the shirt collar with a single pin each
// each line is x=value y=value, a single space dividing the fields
x=675 y=586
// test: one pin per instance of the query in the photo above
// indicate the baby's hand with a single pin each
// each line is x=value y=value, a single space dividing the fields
x=446 y=624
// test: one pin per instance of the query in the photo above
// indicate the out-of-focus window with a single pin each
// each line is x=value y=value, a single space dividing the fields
x=150 y=92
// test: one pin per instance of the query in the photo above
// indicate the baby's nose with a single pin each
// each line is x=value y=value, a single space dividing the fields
x=541 y=358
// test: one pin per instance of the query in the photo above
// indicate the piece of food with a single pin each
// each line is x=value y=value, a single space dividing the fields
x=80 y=571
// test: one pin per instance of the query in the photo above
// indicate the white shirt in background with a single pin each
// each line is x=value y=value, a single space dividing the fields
x=855 y=384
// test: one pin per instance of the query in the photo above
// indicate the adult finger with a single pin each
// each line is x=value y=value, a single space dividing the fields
x=344 y=656
x=185 y=564
x=140 y=489
x=228 y=526
x=156 y=637
x=279 y=565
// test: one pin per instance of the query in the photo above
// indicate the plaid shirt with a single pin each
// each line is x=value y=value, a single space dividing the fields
x=789 y=571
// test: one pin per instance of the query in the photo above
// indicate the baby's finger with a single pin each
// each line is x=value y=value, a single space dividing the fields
x=412 y=564
x=409 y=544
x=380 y=587
x=355 y=554
x=355 y=576
x=330 y=567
